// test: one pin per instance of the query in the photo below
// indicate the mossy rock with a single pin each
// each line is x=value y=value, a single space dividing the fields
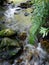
x=9 y=48
x=27 y=4
x=7 y=32
x=9 y=42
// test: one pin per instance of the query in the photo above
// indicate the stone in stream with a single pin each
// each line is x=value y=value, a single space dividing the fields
x=2 y=26
x=2 y=2
x=12 y=47
x=26 y=14
x=7 y=32
x=9 y=48
x=22 y=36
x=45 y=45
x=25 y=5
x=9 y=42
x=5 y=63
x=44 y=42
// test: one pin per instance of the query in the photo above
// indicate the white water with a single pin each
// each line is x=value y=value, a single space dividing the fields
x=9 y=13
x=38 y=54
x=11 y=20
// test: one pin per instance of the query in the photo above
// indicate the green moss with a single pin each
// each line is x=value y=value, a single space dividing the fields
x=7 y=32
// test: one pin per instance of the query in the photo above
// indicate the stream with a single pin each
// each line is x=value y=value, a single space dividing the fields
x=17 y=18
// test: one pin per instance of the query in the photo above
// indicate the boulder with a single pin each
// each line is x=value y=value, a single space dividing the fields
x=7 y=32
x=9 y=48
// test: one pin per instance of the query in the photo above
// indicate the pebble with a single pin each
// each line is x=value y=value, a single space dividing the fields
x=26 y=14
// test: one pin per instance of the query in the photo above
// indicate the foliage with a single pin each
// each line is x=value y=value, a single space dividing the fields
x=38 y=18
x=44 y=31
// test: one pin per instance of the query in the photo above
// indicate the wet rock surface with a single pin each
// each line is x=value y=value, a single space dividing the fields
x=25 y=5
x=31 y=56
x=4 y=63
x=12 y=47
x=45 y=43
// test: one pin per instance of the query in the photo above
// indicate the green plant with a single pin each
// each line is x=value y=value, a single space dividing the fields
x=44 y=31
x=38 y=18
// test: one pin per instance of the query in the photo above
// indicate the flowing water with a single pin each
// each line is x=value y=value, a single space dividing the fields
x=32 y=55
x=15 y=18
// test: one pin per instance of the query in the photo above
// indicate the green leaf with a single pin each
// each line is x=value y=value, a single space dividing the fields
x=38 y=18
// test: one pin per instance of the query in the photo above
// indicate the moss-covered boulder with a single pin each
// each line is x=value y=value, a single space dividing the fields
x=9 y=42
x=9 y=48
x=7 y=32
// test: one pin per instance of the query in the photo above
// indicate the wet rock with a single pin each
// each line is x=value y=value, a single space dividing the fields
x=46 y=24
x=3 y=22
x=47 y=63
x=2 y=2
x=7 y=32
x=9 y=48
x=26 y=14
x=2 y=26
x=25 y=5
x=1 y=13
x=22 y=36
x=16 y=1
x=45 y=45
x=44 y=42
x=9 y=42
x=5 y=63
x=8 y=54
